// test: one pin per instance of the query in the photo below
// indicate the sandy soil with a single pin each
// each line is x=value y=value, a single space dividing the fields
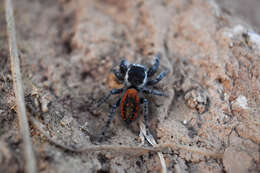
x=67 y=49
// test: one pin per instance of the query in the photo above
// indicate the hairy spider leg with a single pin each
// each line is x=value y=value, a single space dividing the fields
x=158 y=78
x=155 y=66
x=110 y=118
x=112 y=92
x=153 y=92
x=118 y=75
x=145 y=109
x=123 y=67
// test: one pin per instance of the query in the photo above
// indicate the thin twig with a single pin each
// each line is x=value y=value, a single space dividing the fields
x=91 y=148
x=125 y=149
x=196 y=150
x=18 y=88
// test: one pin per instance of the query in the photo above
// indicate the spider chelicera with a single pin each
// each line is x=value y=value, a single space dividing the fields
x=135 y=78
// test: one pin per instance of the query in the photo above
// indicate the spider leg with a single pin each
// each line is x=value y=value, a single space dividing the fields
x=145 y=109
x=123 y=67
x=158 y=78
x=118 y=74
x=153 y=91
x=155 y=66
x=110 y=117
x=112 y=92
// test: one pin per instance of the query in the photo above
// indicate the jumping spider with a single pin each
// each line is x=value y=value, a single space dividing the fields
x=135 y=78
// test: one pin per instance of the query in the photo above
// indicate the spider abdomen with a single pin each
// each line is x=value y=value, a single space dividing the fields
x=129 y=105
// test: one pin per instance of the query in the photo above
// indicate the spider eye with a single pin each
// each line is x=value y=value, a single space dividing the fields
x=123 y=67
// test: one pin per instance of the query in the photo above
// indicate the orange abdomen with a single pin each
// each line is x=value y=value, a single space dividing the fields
x=129 y=105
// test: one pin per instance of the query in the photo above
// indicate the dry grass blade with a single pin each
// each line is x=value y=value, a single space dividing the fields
x=152 y=141
x=18 y=88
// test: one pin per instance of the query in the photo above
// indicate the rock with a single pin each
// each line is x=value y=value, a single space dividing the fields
x=237 y=161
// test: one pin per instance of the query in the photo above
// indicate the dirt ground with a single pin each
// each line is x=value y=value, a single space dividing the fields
x=67 y=49
x=246 y=10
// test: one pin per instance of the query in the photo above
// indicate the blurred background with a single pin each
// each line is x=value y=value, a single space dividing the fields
x=247 y=10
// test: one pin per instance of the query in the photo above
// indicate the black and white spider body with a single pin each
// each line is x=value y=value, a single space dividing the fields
x=135 y=78
x=136 y=75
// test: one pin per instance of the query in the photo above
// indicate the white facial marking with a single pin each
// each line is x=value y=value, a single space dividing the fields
x=126 y=78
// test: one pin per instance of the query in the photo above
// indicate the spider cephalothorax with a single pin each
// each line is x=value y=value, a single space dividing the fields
x=135 y=78
x=136 y=75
